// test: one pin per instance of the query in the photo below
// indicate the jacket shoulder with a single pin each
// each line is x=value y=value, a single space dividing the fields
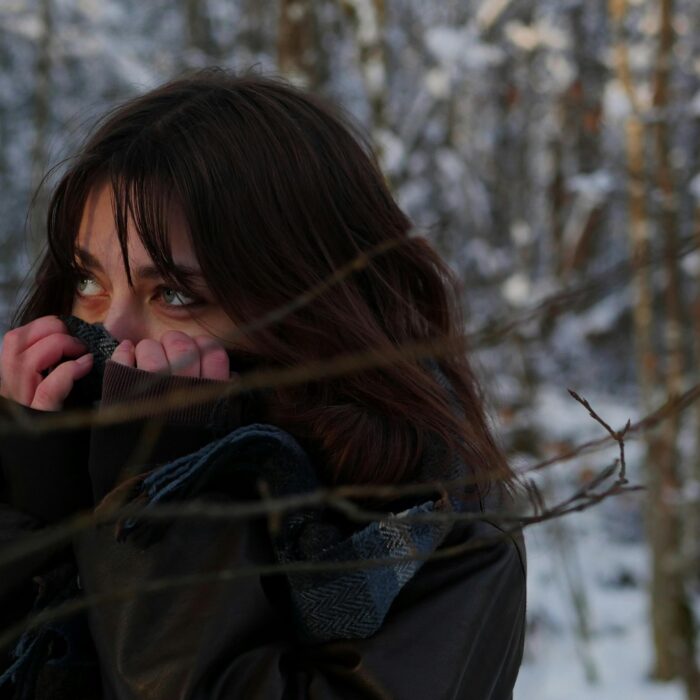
x=455 y=632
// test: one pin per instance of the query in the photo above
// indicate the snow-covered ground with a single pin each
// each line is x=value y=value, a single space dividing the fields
x=613 y=576
x=599 y=558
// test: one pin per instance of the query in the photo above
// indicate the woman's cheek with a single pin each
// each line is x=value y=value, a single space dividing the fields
x=91 y=310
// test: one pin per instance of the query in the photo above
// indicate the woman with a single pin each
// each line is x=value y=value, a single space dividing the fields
x=214 y=225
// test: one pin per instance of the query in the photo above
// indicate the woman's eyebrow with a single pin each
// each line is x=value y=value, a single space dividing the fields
x=184 y=272
x=88 y=259
x=146 y=272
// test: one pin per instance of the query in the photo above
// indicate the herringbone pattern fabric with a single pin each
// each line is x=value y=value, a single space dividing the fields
x=359 y=575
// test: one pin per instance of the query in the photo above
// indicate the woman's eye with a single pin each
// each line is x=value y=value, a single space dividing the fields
x=172 y=297
x=87 y=287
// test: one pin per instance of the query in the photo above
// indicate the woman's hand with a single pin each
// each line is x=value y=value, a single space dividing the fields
x=177 y=353
x=29 y=351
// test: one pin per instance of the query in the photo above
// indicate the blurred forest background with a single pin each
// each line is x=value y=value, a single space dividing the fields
x=551 y=150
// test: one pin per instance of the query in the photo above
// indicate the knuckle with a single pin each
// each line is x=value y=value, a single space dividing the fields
x=44 y=395
x=52 y=322
x=181 y=346
x=147 y=346
x=57 y=339
x=11 y=339
x=207 y=343
x=217 y=357
x=177 y=341
x=150 y=355
x=11 y=366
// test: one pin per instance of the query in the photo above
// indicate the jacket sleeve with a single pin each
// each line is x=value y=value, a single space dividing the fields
x=132 y=446
x=43 y=479
x=44 y=474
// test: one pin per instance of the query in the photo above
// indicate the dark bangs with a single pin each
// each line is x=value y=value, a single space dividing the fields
x=142 y=193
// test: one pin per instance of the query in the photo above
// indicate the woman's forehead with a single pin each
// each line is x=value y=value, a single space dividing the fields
x=98 y=236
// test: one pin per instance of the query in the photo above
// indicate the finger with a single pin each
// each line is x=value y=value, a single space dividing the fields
x=19 y=339
x=150 y=356
x=124 y=354
x=214 y=362
x=48 y=351
x=52 y=392
x=182 y=353
x=21 y=390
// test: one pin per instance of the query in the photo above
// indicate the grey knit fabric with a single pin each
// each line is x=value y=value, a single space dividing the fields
x=100 y=343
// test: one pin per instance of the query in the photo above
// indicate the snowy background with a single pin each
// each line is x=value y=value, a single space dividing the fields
x=504 y=129
x=588 y=574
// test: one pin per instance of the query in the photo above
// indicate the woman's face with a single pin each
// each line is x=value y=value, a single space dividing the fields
x=151 y=307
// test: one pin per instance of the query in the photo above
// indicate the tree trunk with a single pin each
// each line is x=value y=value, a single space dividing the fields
x=368 y=19
x=199 y=32
x=583 y=120
x=557 y=204
x=692 y=532
x=42 y=118
x=670 y=611
x=298 y=43
x=678 y=632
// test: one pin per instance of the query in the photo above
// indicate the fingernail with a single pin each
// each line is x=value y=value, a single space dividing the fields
x=84 y=359
x=126 y=345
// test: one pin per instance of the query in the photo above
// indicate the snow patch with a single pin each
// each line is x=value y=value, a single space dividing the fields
x=26 y=26
x=462 y=47
x=437 y=81
x=489 y=11
x=694 y=187
x=375 y=75
x=616 y=102
x=391 y=148
x=542 y=34
x=521 y=232
x=605 y=315
x=690 y=263
x=594 y=187
x=517 y=289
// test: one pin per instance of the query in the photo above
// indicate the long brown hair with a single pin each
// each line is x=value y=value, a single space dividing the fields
x=279 y=190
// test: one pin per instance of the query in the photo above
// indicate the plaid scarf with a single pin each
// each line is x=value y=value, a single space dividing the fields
x=335 y=604
x=343 y=603
x=340 y=603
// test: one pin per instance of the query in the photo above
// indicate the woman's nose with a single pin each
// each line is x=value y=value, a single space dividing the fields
x=124 y=322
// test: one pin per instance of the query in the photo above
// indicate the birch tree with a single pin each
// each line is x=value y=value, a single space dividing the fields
x=42 y=117
x=298 y=42
x=672 y=628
